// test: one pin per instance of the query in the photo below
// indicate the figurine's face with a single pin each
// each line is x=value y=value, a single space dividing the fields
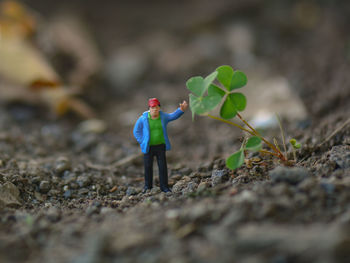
x=154 y=111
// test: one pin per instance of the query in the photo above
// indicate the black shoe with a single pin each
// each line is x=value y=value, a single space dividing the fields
x=166 y=190
x=145 y=189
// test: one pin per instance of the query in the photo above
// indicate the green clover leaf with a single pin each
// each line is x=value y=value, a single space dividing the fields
x=235 y=160
x=234 y=102
x=239 y=80
x=225 y=74
x=253 y=144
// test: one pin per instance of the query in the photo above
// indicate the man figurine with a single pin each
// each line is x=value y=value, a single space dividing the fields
x=150 y=132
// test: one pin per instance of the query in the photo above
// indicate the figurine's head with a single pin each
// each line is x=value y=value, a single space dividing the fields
x=154 y=107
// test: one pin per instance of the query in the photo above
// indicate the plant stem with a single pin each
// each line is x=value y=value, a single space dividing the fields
x=253 y=132
x=268 y=152
x=256 y=133
x=231 y=123
x=294 y=154
x=282 y=134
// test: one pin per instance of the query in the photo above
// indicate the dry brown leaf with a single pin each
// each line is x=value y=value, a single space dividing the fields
x=24 y=68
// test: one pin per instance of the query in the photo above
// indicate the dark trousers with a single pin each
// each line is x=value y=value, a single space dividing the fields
x=159 y=152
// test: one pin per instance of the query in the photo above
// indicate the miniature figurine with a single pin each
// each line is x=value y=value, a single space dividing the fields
x=150 y=132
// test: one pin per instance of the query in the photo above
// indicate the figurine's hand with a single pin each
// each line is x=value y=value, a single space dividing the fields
x=183 y=105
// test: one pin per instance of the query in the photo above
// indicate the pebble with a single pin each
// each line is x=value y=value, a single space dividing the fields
x=202 y=187
x=328 y=187
x=9 y=195
x=38 y=197
x=185 y=171
x=83 y=191
x=69 y=177
x=44 y=187
x=54 y=192
x=84 y=180
x=340 y=154
x=155 y=190
x=62 y=164
x=92 y=209
x=293 y=175
x=177 y=188
x=218 y=177
x=131 y=191
x=67 y=194
x=36 y=180
x=190 y=188
x=53 y=214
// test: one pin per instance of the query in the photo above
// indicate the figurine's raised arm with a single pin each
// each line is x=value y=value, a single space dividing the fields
x=183 y=105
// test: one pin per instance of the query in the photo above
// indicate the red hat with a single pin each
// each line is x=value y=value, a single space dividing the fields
x=153 y=102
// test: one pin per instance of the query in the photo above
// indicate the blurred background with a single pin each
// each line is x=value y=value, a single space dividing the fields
x=104 y=59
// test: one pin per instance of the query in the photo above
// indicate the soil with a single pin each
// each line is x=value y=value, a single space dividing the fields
x=73 y=193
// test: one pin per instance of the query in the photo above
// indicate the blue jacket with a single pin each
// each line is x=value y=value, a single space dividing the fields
x=142 y=130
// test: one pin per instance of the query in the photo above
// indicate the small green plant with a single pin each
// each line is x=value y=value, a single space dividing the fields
x=206 y=96
x=295 y=146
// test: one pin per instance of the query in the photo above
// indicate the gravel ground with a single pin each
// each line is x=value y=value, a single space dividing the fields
x=71 y=190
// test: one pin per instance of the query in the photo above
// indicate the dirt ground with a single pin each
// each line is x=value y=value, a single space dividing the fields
x=71 y=191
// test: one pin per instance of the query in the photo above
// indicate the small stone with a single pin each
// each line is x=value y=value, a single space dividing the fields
x=162 y=197
x=177 y=188
x=73 y=185
x=53 y=214
x=125 y=200
x=33 y=168
x=44 y=187
x=97 y=203
x=9 y=195
x=83 y=191
x=54 y=192
x=202 y=186
x=218 y=177
x=328 y=187
x=83 y=180
x=190 y=188
x=62 y=164
x=36 y=180
x=293 y=175
x=38 y=197
x=69 y=177
x=186 y=178
x=92 y=210
x=131 y=191
x=67 y=194
x=176 y=177
x=185 y=171
x=341 y=156
x=155 y=190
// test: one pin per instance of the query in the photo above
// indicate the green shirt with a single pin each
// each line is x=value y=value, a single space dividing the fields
x=156 y=130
